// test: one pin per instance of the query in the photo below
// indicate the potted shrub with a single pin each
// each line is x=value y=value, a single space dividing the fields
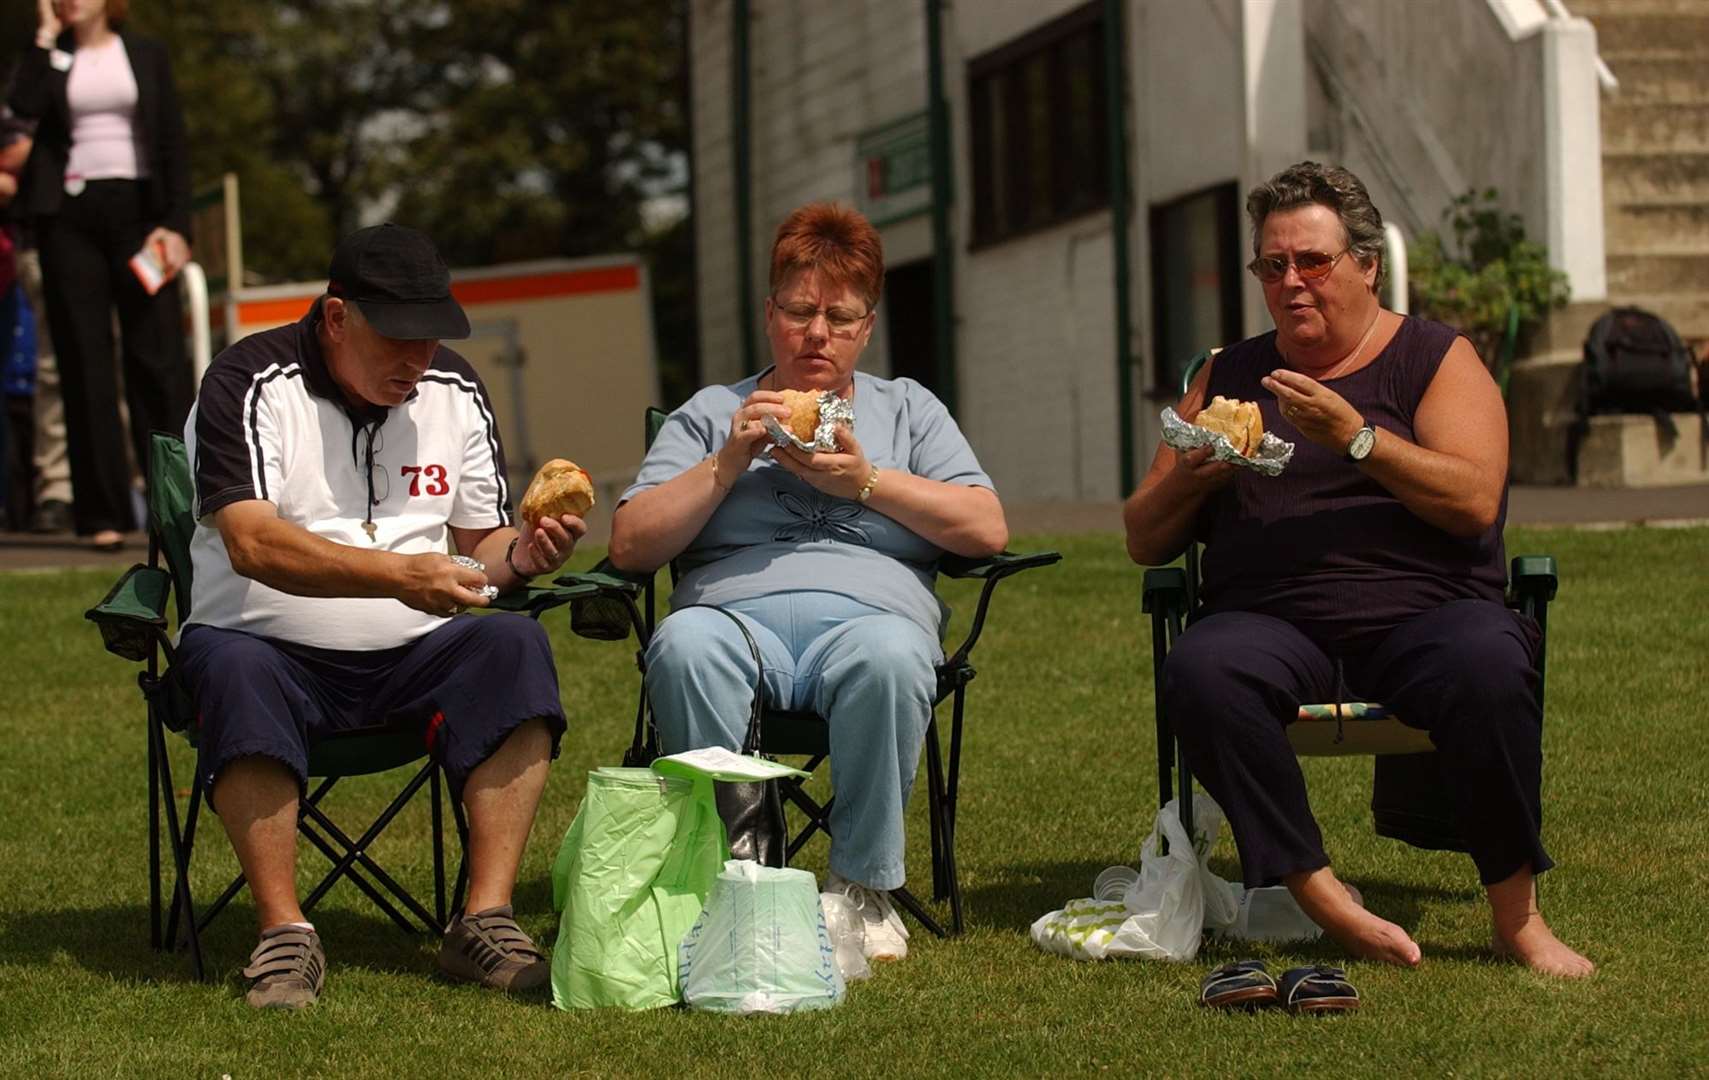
x=1484 y=278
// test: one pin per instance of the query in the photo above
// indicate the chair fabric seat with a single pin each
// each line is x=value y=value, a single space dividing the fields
x=1361 y=728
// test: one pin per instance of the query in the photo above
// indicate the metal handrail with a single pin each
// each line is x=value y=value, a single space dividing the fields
x=1394 y=257
x=196 y=300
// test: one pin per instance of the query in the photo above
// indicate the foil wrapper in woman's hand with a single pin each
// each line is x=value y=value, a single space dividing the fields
x=1272 y=457
x=833 y=410
x=488 y=591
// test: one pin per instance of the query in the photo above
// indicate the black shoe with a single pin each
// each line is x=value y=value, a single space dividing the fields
x=52 y=516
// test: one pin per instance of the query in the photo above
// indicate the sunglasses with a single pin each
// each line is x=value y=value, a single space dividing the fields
x=1312 y=265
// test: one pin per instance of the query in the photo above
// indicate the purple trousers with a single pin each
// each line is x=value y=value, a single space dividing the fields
x=1466 y=672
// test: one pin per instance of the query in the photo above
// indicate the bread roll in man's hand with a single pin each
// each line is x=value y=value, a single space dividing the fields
x=1238 y=421
x=560 y=487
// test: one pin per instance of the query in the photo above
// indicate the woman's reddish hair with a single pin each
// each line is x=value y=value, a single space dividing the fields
x=835 y=240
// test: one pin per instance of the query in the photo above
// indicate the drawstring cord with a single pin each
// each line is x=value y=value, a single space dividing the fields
x=1340 y=697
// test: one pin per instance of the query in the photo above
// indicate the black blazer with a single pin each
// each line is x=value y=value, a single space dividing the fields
x=38 y=92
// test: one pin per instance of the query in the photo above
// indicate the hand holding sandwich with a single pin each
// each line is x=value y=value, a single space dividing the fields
x=843 y=473
x=748 y=437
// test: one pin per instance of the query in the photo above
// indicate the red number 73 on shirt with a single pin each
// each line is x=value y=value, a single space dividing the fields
x=436 y=484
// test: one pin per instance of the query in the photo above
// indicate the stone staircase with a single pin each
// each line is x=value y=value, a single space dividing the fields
x=1655 y=180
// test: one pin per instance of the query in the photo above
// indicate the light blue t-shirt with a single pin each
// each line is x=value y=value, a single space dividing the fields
x=776 y=533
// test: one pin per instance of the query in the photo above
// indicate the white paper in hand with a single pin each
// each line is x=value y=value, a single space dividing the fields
x=149 y=270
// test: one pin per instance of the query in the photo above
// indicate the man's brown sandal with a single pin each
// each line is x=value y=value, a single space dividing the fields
x=288 y=967
x=490 y=949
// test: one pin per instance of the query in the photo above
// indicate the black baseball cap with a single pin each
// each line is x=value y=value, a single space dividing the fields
x=395 y=275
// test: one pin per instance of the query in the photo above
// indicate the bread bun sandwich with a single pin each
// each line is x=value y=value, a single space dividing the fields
x=560 y=487
x=803 y=406
x=1238 y=421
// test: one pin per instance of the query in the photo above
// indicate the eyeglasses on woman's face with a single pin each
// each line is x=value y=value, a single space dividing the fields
x=841 y=320
x=1312 y=265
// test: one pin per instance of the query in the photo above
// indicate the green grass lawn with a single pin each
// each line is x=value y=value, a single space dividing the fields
x=1058 y=782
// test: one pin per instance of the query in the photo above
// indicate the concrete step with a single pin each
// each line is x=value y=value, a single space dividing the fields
x=1617 y=451
x=1628 y=33
x=1638 y=176
x=1667 y=227
x=1655 y=127
x=1597 y=9
x=1658 y=273
x=1661 y=82
x=1563 y=332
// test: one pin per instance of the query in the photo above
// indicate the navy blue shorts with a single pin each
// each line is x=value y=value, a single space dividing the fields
x=465 y=687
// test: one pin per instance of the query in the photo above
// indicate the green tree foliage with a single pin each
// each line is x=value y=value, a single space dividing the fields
x=1485 y=277
x=506 y=129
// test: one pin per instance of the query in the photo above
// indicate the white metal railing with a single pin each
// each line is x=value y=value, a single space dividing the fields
x=1604 y=74
x=1394 y=259
x=196 y=311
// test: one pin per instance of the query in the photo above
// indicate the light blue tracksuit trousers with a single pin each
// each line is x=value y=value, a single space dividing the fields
x=869 y=673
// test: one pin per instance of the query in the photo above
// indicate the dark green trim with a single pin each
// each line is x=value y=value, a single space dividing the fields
x=943 y=196
x=1115 y=89
x=741 y=153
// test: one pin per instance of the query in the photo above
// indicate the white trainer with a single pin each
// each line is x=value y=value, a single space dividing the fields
x=886 y=937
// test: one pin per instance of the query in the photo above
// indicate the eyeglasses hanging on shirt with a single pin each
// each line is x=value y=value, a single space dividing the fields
x=365 y=441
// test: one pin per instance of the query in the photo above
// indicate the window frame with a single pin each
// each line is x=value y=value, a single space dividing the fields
x=1003 y=70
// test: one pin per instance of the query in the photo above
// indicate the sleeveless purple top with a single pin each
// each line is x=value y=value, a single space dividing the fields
x=1323 y=546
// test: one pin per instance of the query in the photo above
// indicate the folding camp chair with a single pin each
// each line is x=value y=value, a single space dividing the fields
x=1409 y=791
x=805 y=734
x=133 y=621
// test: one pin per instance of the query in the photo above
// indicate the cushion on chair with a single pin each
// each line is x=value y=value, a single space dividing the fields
x=1363 y=727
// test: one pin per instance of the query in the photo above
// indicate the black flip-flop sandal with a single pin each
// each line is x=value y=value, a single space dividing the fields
x=1241 y=984
x=1317 y=989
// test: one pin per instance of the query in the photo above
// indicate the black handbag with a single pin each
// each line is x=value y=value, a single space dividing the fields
x=752 y=811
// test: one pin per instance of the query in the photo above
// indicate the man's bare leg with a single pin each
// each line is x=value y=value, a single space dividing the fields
x=257 y=801
x=1521 y=933
x=501 y=796
x=1331 y=905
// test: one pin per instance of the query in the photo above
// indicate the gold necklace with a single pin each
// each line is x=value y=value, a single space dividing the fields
x=1337 y=368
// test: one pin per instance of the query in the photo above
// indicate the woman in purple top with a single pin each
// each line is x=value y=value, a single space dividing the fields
x=1371 y=568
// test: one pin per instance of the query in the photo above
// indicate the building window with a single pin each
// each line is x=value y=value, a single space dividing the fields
x=1195 y=274
x=1037 y=109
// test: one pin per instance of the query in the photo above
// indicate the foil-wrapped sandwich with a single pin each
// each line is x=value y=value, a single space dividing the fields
x=813 y=419
x=1237 y=421
x=488 y=591
x=1235 y=433
x=560 y=487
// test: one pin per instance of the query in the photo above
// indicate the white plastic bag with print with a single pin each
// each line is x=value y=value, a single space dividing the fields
x=760 y=945
x=1164 y=913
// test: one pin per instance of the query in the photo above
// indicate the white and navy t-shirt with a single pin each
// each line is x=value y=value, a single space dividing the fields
x=270 y=424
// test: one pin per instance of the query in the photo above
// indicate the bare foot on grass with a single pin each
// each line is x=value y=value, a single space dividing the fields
x=1523 y=936
x=1337 y=908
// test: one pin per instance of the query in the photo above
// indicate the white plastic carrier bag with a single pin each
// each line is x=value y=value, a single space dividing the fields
x=760 y=945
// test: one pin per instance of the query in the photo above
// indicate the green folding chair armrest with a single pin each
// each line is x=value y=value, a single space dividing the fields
x=132 y=616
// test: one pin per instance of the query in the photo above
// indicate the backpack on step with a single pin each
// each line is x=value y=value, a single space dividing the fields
x=1634 y=362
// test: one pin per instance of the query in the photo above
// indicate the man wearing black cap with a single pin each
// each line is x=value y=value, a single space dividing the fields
x=332 y=459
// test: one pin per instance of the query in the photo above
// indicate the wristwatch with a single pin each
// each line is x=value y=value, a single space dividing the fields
x=1360 y=445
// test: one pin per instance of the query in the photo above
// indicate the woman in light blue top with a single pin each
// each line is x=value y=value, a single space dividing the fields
x=827 y=558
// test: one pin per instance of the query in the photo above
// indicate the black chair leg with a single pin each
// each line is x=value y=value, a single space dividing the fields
x=935 y=808
x=908 y=903
x=181 y=899
x=459 y=892
x=154 y=934
x=379 y=899
x=357 y=852
x=438 y=848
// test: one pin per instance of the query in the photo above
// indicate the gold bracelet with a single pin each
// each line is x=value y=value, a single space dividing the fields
x=869 y=487
x=715 y=481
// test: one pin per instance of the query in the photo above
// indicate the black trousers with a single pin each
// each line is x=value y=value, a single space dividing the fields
x=1466 y=672
x=85 y=251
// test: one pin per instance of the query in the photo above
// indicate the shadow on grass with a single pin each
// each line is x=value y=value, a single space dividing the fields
x=1027 y=890
x=113 y=941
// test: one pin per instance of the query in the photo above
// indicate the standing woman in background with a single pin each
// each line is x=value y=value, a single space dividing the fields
x=109 y=177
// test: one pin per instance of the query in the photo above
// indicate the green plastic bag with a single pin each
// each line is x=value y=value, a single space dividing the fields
x=630 y=878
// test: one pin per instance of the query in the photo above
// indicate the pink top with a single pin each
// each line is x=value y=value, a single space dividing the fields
x=102 y=93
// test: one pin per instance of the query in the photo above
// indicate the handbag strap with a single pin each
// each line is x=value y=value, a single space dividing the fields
x=648 y=734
